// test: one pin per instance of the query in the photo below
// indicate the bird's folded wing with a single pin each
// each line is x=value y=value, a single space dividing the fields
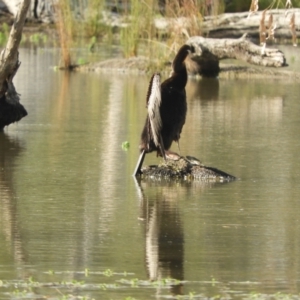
x=154 y=102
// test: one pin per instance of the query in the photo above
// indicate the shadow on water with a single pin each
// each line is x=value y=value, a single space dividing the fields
x=164 y=228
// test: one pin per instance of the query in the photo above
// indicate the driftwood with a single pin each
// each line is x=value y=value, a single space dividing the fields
x=209 y=51
x=11 y=110
x=185 y=168
x=236 y=24
x=233 y=25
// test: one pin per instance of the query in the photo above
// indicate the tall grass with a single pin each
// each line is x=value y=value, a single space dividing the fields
x=136 y=31
x=184 y=19
x=64 y=26
x=139 y=33
x=130 y=35
x=93 y=16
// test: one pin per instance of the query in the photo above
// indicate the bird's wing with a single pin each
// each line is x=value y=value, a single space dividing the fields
x=154 y=102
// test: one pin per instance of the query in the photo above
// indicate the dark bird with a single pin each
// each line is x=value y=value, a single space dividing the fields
x=166 y=104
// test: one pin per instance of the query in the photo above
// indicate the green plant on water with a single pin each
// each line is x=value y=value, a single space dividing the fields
x=213 y=281
x=103 y=286
x=125 y=145
x=108 y=273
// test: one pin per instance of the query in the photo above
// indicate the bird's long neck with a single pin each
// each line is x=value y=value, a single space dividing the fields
x=178 y=62
x=179 y=74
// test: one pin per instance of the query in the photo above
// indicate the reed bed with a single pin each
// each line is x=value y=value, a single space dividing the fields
x=135 y=31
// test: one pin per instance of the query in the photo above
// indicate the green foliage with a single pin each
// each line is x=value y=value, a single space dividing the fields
x=38 y=38
x=4 y=32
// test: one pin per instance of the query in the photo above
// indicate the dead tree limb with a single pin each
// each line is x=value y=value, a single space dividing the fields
x=11 y=110
x=209 y=51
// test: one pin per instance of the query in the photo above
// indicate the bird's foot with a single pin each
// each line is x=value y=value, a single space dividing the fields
x=172 y=155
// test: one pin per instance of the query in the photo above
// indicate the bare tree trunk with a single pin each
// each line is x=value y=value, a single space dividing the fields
x=10 y=108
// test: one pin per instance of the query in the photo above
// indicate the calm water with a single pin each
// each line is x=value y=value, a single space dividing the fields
x=73 y=221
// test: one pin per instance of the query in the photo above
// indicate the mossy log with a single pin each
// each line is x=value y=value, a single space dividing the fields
x=11 y=110
x=185 y=168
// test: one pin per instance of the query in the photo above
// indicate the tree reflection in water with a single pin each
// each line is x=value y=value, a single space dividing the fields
x=10 y=149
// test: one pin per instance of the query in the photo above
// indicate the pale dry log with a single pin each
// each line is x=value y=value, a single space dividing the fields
x=209 y=51
x=10 y=108
x=236 y=24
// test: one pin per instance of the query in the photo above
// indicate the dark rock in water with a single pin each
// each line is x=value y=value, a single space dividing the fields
x=186 y=168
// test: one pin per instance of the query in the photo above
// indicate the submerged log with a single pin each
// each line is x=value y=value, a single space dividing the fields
x=11 y=110
x=185 y=168
x=209 y=51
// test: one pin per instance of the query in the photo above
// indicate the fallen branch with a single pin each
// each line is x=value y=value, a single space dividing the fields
x=209 y=51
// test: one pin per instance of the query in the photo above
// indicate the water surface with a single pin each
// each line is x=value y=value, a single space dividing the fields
x=71 y=212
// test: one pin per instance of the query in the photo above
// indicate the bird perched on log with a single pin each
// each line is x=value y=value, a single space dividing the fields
x=166 y=104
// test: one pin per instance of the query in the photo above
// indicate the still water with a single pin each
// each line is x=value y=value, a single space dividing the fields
x=74 y=223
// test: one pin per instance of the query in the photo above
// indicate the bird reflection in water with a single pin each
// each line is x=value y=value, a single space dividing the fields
x=167 y=108
x=164 y=238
